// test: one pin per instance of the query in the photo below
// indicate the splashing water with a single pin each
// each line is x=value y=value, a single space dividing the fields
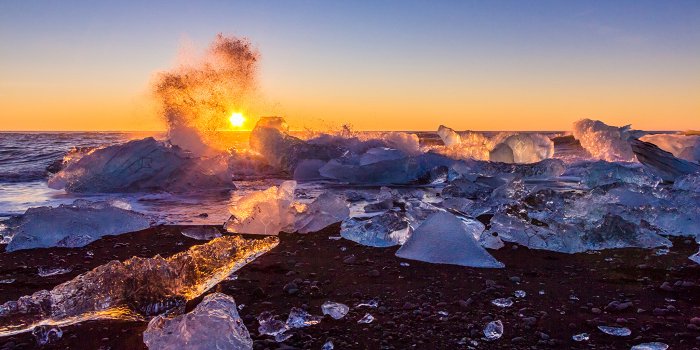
x=199 y=97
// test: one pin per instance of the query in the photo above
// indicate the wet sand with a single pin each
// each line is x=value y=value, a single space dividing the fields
x=421 y=306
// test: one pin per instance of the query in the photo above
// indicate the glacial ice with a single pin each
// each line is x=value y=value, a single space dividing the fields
x=326 y=209
x=600 y=173
x=681 y=146
x=449 y=137
x=695 y=257
x=650 y=346
x=493 y=330
x=384 y=230
x=73 y=225
x=108 y=290
x=424 y=168
x=213 y=324
x=443 y=238
x=202 y=233
x=367 y=318
x=603 y=141
x=615 y=331
x=581 y=337
x=264 y=212
x=661 y=162
x=523 y=148
x=142 y=166
x=690 y=182
x=299 y=318
x=335 y=310
x=270 y=325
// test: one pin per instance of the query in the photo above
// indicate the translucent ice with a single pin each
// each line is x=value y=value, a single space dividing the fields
x=73 y=225
x=391 y=170
x=298 y=318
x=264 y=212
x=213 y=324
x=139 y=166
x=695 y=257
x=449 y=137
x=650 y=346
x=270 y=325
x=328 y=345
x=493 y=330
x=600 y=173
x=682 y=146
x=203 y=233
x=603 y=141
x=522 y=148
x=615 y=331
x=325 y=210
x=502 y=302
x=581 y=337
x=663 y=163
x=384 y=230
x=443 y=238
x=335 y=310
x=109 y=291
x=367 y=318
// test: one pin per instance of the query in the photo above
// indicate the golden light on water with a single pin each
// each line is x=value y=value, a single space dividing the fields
x=237 y=119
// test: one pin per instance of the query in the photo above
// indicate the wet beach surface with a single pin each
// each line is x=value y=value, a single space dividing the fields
x=420 y=306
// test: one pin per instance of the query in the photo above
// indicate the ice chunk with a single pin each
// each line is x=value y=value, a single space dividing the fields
x=73 y=225
x=328 y=345
x=581 y=337
x=519 y=293
x=384 y=230
x=264 y=212
x=326 y=209
x=522 y=148
x=502 y=302
x=615 y=331
x=422 y=168
x=203 y=233
x=493 y=330
x=141 y=166
x=449 y=137
x=650 y=346
x=661 y=162
x=681 y=146
x=46 y=334
x=270 y=325
x=603 y=141
x=695 y=257
x=109 y=291
x=335 y=310
x=308 y=170
x=443 y=238
x=367 y=318
x=213 y=324
x=404 y=142
x=298 y=318
x=600 y=173
x=47 y=272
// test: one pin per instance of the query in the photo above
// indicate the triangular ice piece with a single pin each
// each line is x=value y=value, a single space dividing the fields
x=444 y=239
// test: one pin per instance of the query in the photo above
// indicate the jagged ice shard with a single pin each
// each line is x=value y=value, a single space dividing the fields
x=213 y=324
x=264 y=212
x=443 y=238
x=73 y=225
x=109 y=291
x=603 y=141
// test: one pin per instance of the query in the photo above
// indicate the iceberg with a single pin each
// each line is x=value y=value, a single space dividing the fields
x=387 y=169
x=443 y=238
x=264 y=212
x=141 y=166
x=213 y=324
x=325 y=210
x=384 y=230
x=601 y=173
x=73 y=225
x=603 y=141
x=109 y=291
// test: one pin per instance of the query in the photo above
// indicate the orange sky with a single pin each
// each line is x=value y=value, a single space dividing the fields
x=467 y=65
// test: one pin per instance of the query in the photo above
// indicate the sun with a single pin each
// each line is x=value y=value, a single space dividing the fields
x=237 y=119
